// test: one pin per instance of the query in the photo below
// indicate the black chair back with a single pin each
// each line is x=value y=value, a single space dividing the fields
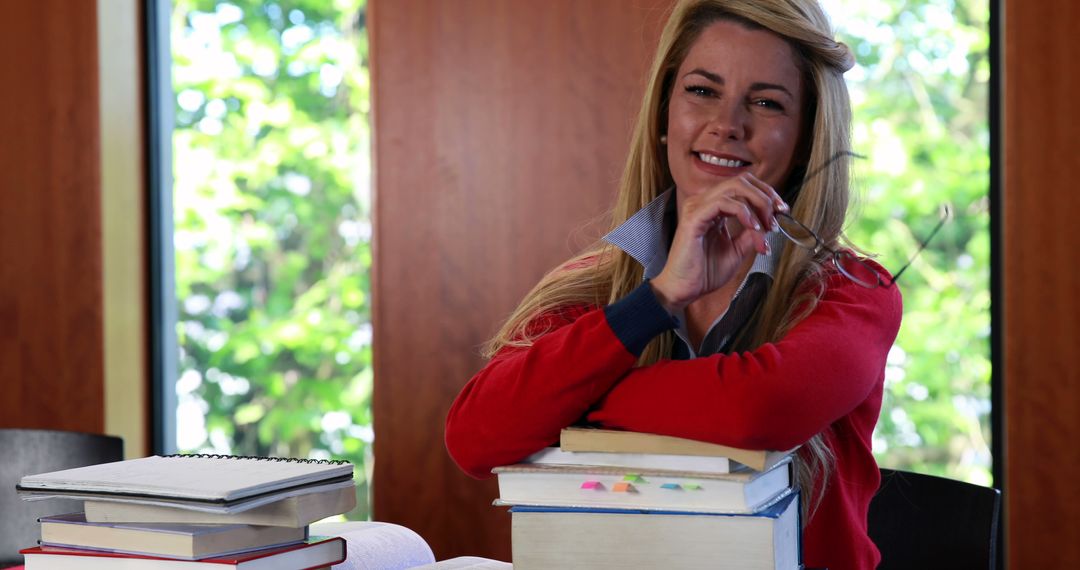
x=923 y=521
x=33 y=451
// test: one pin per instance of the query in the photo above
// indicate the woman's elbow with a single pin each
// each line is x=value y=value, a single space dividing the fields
x=461 y=445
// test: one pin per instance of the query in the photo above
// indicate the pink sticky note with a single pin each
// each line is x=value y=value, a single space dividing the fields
x=592 y=485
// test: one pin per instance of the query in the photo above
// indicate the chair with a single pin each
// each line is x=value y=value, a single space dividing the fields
x=923 y=521
x=33 y=451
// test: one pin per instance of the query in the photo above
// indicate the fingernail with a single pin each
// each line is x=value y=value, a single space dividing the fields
x=757 y=226
x=783 y=207
x=768 y=248
x=775 y=226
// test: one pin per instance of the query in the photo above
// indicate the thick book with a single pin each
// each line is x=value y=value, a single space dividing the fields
x=741 y=491
x=316 y=553
x=183 y=541
x=615 y=441
x=705 y=463
x=544 y=538
x=213 y=483
x=296 y=512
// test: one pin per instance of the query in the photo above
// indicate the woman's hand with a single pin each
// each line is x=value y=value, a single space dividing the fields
x=718 y=229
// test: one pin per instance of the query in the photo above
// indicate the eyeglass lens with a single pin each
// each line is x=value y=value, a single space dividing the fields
x=856 y=270
x=796 y=232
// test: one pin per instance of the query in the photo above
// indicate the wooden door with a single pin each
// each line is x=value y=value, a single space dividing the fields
x=500 y=129
x=51 y=339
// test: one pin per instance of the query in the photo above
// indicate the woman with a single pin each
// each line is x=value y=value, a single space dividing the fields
x=695 y=318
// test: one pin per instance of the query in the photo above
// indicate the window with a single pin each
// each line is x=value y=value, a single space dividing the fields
x=271 y=230
x=920 y=99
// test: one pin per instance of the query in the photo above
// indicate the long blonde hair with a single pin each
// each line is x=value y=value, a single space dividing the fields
x=603 y=273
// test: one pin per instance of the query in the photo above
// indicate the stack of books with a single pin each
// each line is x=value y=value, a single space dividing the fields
x=614 y=499
x=188 y=512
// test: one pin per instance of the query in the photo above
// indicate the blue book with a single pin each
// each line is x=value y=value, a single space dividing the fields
x=564 y=537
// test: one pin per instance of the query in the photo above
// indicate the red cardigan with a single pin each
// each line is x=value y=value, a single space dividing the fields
x=827 y=373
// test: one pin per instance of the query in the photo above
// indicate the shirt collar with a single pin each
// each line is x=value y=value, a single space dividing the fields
x=645 y=236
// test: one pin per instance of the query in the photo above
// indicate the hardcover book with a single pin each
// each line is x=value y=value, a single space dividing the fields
x=544 y=538
x=184 y=541
x=616 y=441
x=317 y=553
x=704 y=463
x=296 y=512
x=741 y=491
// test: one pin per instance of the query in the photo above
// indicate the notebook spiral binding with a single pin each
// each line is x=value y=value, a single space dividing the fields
x=257 y=458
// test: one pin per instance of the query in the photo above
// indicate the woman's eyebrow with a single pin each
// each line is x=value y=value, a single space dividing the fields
x=757 y=86
x=706 y=74
x=761 y=86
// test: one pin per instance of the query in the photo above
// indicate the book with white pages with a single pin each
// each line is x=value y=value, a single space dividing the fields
x=211 y=483
x=167 y=540
x=295 y=512
x=701 y=463
x=743 y=490
x=315 y=553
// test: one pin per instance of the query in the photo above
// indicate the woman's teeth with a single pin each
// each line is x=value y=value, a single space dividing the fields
x=721 y=161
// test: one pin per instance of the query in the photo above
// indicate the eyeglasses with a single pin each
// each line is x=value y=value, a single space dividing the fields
x=846 y=262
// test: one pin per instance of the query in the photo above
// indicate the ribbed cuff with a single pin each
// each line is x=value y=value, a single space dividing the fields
x=637 y=318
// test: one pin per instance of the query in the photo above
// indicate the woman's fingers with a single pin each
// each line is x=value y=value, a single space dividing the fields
x=746 y=199
x=718 y=229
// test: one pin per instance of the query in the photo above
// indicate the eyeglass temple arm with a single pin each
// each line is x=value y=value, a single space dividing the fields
x=922 y=245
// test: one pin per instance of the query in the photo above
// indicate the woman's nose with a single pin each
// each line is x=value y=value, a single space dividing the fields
x=730 y=121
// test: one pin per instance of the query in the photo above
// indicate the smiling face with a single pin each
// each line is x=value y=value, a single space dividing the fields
x=736 y=106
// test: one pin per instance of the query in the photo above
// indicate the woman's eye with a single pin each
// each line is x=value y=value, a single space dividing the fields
x=700 y=90
x=768 y=104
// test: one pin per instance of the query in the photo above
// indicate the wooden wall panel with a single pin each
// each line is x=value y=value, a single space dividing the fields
x=500 y=129
x=50 y=225
x=1041 y=142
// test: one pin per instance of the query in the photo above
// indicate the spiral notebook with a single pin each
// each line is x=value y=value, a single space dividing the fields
x=210 y=483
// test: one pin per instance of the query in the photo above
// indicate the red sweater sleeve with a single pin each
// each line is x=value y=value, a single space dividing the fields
x=521 y=400
x=776 y=396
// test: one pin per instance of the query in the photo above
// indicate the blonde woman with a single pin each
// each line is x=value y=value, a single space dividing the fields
x=696 y=317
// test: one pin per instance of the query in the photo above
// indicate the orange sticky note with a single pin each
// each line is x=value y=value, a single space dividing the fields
x=623 y=487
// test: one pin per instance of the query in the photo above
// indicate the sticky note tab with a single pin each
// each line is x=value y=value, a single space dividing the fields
x=692 y=487
x=633 y=478
x=670 y=486
x=623 y=487
x=592 y=485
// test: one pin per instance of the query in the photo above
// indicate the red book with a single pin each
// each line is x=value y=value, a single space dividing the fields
x=318 y=552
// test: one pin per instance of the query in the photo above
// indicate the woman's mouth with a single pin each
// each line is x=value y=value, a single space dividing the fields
x=719 y=161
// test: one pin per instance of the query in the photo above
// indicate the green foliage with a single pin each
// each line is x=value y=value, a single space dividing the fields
x=272 y=229
x=920 y=104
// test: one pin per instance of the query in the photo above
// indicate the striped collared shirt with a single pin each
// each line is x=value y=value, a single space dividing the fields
x=646 y=237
